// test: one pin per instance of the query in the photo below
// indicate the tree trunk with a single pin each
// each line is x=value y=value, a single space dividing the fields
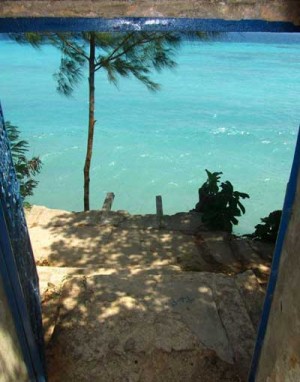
x=89 y=150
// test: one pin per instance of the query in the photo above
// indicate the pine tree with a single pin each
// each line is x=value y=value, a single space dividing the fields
x=135 y=54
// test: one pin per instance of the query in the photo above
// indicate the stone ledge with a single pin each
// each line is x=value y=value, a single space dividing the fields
x=276 y=10
x=159 y=328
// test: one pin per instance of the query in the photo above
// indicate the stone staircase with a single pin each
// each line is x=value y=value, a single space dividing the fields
x=127 y=300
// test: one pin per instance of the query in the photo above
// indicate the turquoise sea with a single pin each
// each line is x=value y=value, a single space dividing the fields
x=231 y=105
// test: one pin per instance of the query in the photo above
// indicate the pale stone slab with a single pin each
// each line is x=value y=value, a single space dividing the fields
x=152 y=328
x=219 y=248
x=235 y=318
x=253 y=295
x=42 y=216
x=191 y=296
x=54 y=276
x=245 y=252
x=127 y=300
x=187 y=222
x=265 y=250
x=255 y=256
x=140 y=222
x=69 y=246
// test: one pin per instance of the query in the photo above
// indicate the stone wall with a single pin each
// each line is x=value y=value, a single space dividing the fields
x=12 y=366
x=280 y=357
x=272 y=10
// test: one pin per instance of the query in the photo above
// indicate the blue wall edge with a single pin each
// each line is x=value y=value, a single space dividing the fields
x=286 y=215
x=79 y=24
x=11 y=284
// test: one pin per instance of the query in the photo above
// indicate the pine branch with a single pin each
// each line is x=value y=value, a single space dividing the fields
x=128 y=49
x=76 y=49
x=117 y=48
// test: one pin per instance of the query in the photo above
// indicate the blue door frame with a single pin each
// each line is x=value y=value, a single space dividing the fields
x=13 y=290
x=30 y=344
x=286 y=215
x=17 y=266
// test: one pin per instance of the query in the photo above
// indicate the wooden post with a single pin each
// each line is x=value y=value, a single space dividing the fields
x=108 y=201
x=159 y=210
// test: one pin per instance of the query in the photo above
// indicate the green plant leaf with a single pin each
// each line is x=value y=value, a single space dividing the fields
x=243 y=195
x=243 y=209
x=25 y=168
x=219 y=205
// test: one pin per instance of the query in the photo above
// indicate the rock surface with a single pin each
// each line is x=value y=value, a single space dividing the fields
x=126 y=301
x=154 y=328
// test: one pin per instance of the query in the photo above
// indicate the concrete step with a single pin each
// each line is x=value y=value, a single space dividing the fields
x=118 y=239
x=253 y=295
x=245 y=253
x=98 y=246
x=255 y=256
x=216 y=249
x=236 y=321
x=170 y=321
x=51 y=280
x=186 y=222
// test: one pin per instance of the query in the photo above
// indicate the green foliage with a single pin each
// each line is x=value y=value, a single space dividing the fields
x=26 y=169
x=219 y=204
x=268 y=231
x=132 y=54
x=136 y=54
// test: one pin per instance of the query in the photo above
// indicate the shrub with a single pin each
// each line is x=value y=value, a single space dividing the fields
x=26 y=169
x=268 y=231
x=219 y=204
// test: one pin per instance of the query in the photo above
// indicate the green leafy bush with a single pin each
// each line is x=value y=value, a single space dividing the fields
x=268 y=231
x=219 y=204
x=26 y=169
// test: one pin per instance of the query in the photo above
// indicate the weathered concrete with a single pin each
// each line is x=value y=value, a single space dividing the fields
x=236 y=320
x=280 y=357
x=12 y=366
x=254 y=255
x=162 y=304
x=253 y=295
x=276 y=10
x=218 y=246
x=123 y=242
x=181 y=327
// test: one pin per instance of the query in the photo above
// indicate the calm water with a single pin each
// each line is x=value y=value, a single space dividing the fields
x=228 y=106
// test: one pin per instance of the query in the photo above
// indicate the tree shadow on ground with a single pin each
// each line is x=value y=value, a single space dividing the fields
x=153 y=328
x=128 y=312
